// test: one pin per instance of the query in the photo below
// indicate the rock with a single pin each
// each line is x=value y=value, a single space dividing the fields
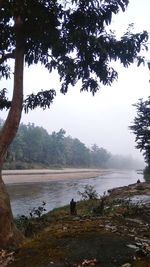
x=134 y=220
x=6 y=258
x=142 y=240
x=89 y=262
x=126 y=265
x=101 y=225
x=132 y=246
x=111 y=228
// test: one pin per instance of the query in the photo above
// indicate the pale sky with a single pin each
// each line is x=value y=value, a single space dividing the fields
x=104 y=118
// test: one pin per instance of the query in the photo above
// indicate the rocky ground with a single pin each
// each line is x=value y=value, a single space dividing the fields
x=110 y=232
x=131 y=190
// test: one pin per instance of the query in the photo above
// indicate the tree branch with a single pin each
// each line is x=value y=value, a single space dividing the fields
x=6 y=56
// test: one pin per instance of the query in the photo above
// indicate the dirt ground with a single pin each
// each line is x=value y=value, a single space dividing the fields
x=100 y=242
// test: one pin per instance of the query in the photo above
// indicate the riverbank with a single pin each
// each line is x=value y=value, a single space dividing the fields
x=113 y=234
x=27 y=176
x=56 y=193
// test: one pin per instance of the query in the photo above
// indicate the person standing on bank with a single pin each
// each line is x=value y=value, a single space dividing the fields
x=73 y=210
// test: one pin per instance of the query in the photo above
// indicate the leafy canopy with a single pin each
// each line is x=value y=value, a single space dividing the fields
x=70 y=37
x=141 y=128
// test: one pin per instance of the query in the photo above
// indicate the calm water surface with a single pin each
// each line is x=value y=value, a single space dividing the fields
x=25 y=196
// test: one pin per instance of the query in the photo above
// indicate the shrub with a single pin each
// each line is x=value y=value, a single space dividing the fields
x=30 y=225
x=88 y=193
x=38 y=212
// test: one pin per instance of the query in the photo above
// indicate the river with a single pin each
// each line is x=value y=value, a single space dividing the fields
x=25 y=196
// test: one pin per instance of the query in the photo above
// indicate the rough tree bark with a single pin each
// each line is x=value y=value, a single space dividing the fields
x=9 y=235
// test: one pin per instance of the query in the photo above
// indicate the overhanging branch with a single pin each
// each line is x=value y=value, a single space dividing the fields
x=42 y=99
x=4 y=57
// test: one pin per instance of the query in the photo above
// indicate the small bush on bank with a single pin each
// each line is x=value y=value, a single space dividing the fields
x=88 y=193
x=38 y=211
x=33 y=223
x=100 y=208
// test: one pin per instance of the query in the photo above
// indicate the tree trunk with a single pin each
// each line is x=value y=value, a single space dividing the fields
x=9 y=235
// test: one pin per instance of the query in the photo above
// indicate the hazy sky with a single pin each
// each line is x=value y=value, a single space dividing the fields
x=104 y=118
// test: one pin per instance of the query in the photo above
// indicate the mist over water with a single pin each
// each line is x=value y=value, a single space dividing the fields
x=25 y=196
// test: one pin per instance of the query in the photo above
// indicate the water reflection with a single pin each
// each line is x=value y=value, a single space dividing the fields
x=58 y=193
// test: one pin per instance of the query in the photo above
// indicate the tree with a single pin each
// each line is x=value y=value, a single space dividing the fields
x=29 y=143
x=57 y=148
x=72 y=39
x=99 y=156
x=141 y=128
x=77 y=154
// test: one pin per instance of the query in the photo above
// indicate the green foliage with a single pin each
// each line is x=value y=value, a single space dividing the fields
x=77 y=154
x=141 y=128
x=100 y=208
x=34 y=147
x=4 y=102
x=31 y=224
x=88 y=193
x=42 y=99
x=30 y=144
x=73 y=39
x=38 y=212
x=99 y=156
x=25 y=225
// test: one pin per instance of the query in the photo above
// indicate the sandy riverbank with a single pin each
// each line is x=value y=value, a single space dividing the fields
x=22 y=176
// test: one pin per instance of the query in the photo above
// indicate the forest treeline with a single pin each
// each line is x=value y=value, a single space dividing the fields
x=34 y=147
